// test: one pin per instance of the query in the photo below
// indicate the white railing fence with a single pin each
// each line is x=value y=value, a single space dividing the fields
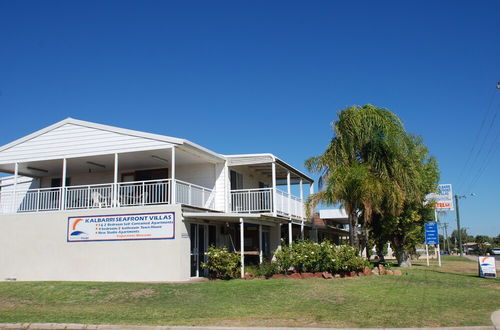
x=144 y=192
x=152 y=192
x=89 y=196
x=194 y=195
x=261 y=200
x=46 y=199
x=252 y=200
x=107 y=195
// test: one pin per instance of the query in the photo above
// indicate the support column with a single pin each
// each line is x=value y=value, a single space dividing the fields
x=14 y=197
x=289 y=191
x=260 y=244
x=242 y=247
x=302 y=213
x=115 y=182
x=274 y=187
x=173 y=186
x=289 y=207
x=63 y=185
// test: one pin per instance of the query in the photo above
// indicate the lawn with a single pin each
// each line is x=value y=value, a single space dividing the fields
x=423 y=297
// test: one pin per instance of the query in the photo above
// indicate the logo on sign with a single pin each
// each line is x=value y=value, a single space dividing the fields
x=75 y=232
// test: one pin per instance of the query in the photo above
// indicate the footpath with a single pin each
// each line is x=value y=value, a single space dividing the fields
x=495 y=318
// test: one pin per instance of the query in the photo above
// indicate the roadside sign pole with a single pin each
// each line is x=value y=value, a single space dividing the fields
x=438 y=250
x=427 y=253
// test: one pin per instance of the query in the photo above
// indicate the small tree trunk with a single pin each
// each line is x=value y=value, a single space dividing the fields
x=367 y=242
x=403 y=258
x=380 y=251
x=402 y=255
x=353 y=230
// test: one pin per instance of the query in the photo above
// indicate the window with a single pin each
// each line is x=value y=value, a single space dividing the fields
x=57 y=182
x=236 y=180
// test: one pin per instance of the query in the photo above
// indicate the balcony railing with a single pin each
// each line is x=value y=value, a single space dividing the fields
x=261 y=200
x=123 y=194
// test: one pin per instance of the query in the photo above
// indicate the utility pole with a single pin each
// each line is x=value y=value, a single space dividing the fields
x=458 y=228
x=446 y=238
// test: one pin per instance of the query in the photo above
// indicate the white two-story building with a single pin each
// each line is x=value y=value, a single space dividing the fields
x=91 y=202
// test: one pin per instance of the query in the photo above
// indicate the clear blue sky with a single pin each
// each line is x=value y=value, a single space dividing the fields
x=263 y=76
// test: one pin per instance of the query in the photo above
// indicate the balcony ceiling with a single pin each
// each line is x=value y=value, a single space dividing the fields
x=150 y=159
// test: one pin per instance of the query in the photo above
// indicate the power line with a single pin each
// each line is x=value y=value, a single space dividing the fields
x=490 y=153
x=475 y=172
x=478 y=133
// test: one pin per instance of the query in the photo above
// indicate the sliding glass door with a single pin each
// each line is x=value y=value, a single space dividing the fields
x=202 y=236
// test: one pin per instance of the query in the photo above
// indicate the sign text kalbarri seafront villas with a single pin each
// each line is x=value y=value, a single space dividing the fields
x=119 y=227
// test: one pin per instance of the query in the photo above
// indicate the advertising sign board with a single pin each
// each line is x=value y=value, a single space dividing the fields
x=443 y=198
x=487 y=267
x=120 y=227
x=431 y=233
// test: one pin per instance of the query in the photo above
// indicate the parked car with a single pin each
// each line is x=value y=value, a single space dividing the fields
x=495 y=251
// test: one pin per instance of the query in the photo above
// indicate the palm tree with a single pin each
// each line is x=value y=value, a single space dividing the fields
x=361 y=163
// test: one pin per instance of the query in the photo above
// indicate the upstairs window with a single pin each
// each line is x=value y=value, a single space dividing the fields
x=236 y=180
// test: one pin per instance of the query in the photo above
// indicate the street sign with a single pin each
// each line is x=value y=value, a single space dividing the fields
x=487 y=267
x=431 y=233
x=443 y=198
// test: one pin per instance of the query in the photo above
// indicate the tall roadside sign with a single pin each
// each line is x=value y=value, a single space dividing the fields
x=443 y=202
x=443 y=198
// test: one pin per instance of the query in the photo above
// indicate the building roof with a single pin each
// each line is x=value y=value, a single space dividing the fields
x=157 y=141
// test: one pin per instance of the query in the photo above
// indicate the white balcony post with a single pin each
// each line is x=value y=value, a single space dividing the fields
x=173 y=183
x=311 y=188
x=115 y=182
x=288 y=190
x=14 y=197
x=63 y=185
x=301 y=198
x=274 y=187
x=289 y=207
x=260 y=243
x=301 y=208
x=242 y=248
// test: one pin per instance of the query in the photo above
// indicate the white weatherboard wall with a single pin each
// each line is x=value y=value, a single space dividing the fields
x=220 y=187
x=199 y=174
x=71 y=140
x=35 y=247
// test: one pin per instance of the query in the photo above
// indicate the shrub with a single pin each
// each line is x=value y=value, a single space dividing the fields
x=222 y=264
x=307 y=256
x=267 y=269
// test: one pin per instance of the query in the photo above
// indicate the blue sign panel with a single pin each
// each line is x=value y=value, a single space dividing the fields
x=431 y=233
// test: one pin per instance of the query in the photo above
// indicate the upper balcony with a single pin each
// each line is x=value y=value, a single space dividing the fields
x=107 y=195
x=262 y=183
x=267 y=200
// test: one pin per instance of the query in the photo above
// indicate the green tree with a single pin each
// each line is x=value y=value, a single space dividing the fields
x=374 y=169
x=357 y=167
x=405 y=228
x=454 y=237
